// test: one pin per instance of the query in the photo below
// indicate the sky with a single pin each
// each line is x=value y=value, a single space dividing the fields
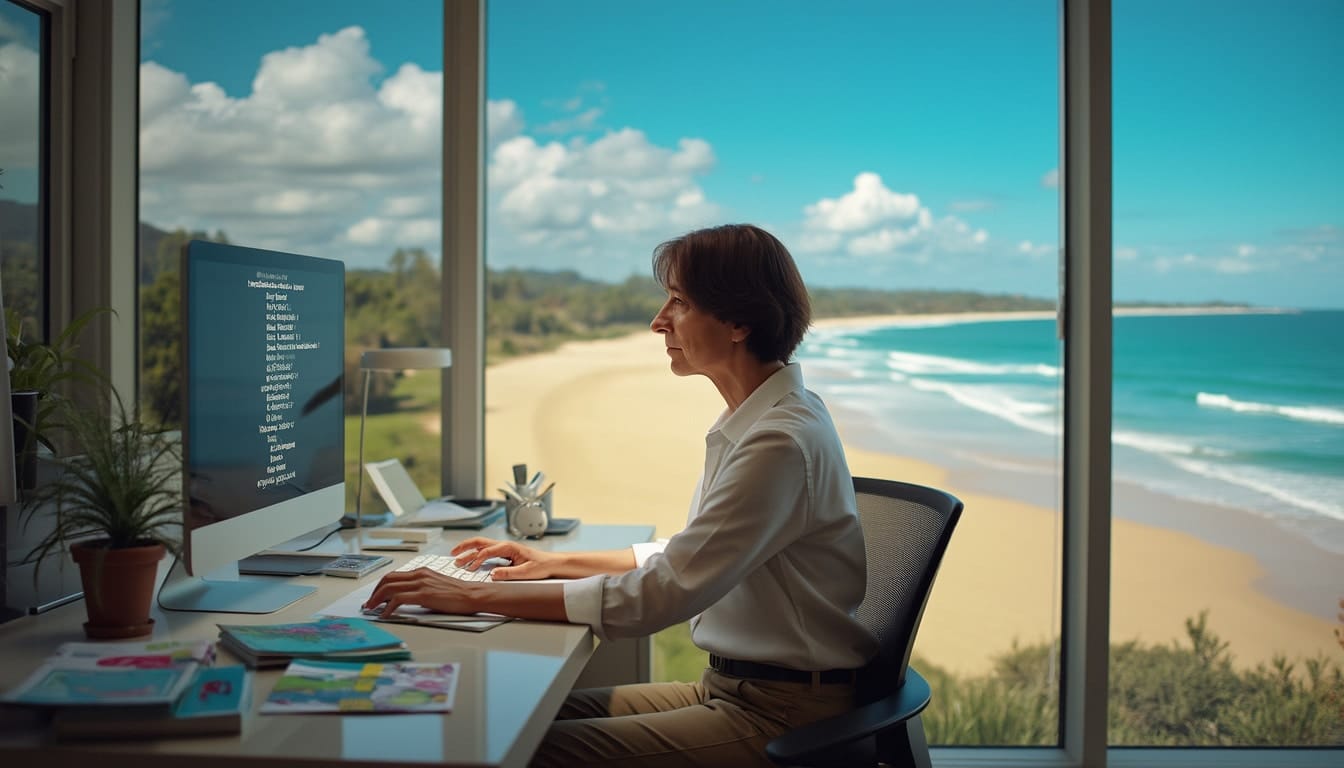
x=895 y=145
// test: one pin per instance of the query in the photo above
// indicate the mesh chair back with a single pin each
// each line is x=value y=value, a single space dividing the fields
x=906 y=528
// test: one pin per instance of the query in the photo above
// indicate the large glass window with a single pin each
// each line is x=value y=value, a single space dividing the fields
x=313 y=128
x=907 y=155
x=23 y=151
x=1228 y=499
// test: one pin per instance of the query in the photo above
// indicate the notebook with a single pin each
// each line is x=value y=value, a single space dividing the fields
x=410 y=508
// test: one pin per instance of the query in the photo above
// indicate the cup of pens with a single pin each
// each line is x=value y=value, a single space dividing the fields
x=527 y=505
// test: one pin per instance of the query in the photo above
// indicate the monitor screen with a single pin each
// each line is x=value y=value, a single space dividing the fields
x=263 y=405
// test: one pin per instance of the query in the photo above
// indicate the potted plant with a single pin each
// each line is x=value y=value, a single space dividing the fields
x=116 y=504
x=36 y=372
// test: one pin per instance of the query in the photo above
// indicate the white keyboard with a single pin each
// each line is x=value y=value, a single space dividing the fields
x=445 y=564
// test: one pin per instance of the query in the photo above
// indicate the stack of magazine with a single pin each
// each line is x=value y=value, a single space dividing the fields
x=137 y=690
x=312 y=687
x=333 y=639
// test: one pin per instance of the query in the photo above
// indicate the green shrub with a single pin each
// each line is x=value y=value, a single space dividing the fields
x=1185 y=694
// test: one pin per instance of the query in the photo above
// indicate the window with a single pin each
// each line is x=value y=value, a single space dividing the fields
x=24 y=185
x=907 y=156
x=1228 y=499
x=312 y=129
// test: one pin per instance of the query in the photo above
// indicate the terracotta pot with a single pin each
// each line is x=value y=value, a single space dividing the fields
x=118 y=587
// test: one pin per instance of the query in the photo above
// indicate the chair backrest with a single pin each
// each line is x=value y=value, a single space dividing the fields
x=906 y=528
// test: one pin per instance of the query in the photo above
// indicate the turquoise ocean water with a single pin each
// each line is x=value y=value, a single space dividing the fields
x=1239 y=410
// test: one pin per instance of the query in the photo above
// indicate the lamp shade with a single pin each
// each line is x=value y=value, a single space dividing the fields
x=401 y=358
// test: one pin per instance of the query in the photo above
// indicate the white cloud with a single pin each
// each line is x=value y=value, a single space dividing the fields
x=868 y=205
x=337 y=69
x=584 y=121
x=606 y=202
x=19 y=92
x=328 y=154
x=1233 y=266
x=1036 y=250
x=319 y=157
x=407 y=205
x=503 y=121
x=872 y=220
x=1050 y=179
x=9 y=30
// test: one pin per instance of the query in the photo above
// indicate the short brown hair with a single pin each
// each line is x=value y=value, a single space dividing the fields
x=741 y=274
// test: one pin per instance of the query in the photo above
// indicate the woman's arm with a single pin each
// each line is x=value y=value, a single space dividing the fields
x=426 y=588
x=528 y=563
x=545 y=602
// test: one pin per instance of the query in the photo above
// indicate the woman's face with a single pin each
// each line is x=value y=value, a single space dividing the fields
x=697 y=342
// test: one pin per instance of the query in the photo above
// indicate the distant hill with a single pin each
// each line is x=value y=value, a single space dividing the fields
x=627 y=301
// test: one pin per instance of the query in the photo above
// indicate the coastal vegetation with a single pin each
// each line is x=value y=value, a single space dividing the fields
x=1181 y=694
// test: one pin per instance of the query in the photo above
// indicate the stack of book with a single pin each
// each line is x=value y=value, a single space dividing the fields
x=333 y=639
x=137 y=690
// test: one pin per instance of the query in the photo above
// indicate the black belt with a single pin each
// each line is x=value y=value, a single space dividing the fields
x=760 y=671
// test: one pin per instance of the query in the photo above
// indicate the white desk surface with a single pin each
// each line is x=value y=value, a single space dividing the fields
x=514 y=678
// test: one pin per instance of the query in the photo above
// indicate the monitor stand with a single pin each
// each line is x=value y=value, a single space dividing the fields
x=221 y=591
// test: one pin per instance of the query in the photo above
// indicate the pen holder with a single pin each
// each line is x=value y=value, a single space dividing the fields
x=527 y=518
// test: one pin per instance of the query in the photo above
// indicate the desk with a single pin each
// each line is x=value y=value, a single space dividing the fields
x=514 y=678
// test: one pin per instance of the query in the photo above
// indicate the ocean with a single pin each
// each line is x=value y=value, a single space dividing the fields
x=1243 y=411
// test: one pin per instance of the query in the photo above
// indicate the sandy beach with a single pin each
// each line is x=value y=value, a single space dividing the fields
x=624 y=438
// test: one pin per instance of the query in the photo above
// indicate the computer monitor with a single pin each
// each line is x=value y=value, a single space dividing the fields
x=263 y=416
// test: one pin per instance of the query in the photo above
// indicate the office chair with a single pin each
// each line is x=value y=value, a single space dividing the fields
x=906 y=528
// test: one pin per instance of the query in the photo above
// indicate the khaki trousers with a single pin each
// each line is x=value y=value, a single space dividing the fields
x=719 y=721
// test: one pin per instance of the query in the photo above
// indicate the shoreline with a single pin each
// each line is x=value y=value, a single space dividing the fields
x=866 y=322
x=624 y=439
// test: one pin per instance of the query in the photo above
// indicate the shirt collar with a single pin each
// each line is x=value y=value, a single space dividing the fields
x=781 y=383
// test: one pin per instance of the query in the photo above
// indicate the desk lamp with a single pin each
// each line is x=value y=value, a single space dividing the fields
x=389 y=359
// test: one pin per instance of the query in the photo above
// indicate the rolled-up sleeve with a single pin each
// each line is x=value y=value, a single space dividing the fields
x=583 y=597
x=583 y=601
x=646 y=549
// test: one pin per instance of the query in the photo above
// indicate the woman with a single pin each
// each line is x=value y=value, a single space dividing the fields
x=769 y=568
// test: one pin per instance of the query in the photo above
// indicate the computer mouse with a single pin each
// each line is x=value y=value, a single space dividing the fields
x=491 y=562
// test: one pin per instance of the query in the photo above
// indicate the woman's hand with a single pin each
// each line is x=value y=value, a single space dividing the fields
x=444 y=594
x=526 y=562
x=423 y=587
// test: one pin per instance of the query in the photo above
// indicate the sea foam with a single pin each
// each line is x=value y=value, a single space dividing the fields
x=1318 y=414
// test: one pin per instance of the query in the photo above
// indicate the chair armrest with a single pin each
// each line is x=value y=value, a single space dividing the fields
x=800 y=745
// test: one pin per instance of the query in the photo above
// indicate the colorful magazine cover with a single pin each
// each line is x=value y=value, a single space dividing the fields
x=114 y=674
x=213 y=704
x=310 y=687
x=310 y=638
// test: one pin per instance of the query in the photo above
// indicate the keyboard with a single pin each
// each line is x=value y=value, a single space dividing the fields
x=445 y=564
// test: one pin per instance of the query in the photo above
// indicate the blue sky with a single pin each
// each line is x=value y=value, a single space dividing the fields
x=891 y=144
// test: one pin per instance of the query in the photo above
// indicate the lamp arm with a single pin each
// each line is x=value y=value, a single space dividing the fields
x=359 y=469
